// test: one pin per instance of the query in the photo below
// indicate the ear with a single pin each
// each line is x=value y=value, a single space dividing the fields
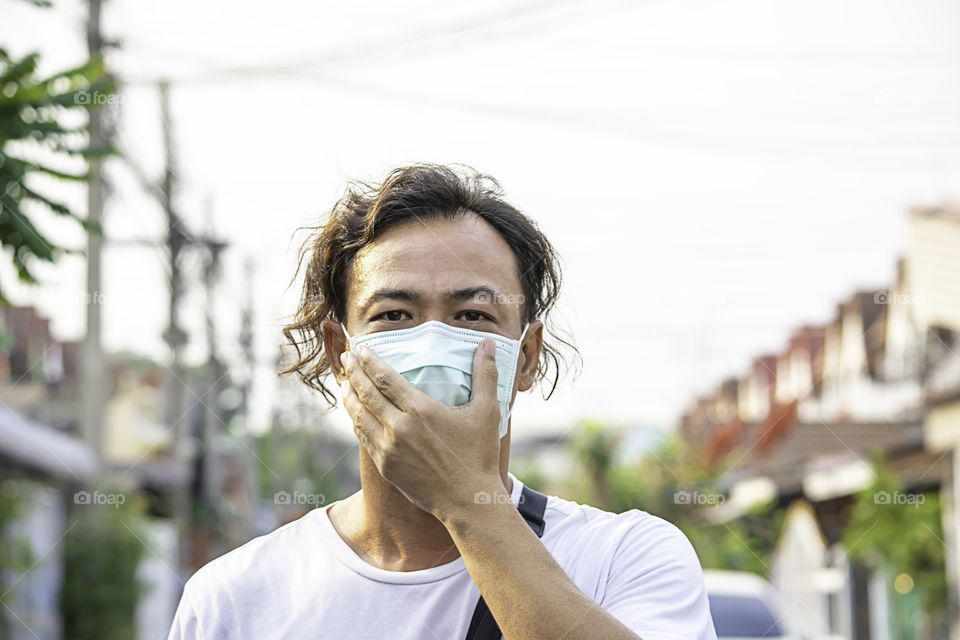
x=529 y=356
x=334 y=344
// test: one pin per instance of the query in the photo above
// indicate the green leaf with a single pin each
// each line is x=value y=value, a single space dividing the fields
x=31 y=112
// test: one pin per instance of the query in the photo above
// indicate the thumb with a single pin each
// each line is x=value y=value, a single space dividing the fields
x=484 y=386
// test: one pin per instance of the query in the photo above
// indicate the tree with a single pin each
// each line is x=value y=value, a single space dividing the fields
x=675 y=483
x=34 y=116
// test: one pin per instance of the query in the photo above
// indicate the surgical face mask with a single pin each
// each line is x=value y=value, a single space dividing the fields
x=438 y=359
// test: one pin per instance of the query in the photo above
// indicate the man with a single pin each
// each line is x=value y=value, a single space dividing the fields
x=425 y=298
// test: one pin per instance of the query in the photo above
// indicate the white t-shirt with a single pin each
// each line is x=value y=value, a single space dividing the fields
x=304 y=581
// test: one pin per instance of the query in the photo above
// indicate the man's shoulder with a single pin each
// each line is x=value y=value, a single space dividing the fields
x=638 y=528
x=571 y=513
x=624 y=556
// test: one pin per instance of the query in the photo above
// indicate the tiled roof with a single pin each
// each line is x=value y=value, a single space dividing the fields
x=784 y=462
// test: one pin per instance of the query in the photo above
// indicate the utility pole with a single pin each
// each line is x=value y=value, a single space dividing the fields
x=246 y=338
x=177 y=412
x=211 y=273
x=175 y=337
x=92 y=379
x=247 y=346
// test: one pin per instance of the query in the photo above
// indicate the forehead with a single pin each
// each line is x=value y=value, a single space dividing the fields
x=434 y=257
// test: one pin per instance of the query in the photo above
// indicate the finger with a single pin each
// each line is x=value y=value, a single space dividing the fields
x=397 y=389
x=369 y=430
x=484 y=387
x=368 y=392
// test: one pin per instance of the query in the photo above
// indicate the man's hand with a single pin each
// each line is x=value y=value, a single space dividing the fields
x=440 y=457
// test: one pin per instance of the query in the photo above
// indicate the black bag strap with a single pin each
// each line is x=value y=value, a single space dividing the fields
x=532 y=506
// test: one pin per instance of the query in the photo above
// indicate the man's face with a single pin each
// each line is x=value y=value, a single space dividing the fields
x=460 y=272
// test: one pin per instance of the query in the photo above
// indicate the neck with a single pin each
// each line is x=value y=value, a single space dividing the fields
x=390 y=532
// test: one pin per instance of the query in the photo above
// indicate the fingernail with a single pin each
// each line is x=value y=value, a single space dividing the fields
x=362 y=351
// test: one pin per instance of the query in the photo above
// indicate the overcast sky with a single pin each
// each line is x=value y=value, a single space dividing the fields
x=714 y=173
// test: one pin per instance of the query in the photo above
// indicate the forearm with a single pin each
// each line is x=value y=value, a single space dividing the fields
x=528 y=593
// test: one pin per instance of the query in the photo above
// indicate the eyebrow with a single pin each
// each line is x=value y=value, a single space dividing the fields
x=491 y=294
x=389 y=294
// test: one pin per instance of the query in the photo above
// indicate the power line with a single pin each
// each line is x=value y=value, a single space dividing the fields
x=309 y=65
x=633 y=129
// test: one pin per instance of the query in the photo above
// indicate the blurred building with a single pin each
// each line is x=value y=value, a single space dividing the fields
x=39 y=377
x=801 y=425
x=41 y=451
x=42 y=467
x=934 y=278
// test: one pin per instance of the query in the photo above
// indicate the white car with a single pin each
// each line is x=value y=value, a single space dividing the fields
x=743 y=606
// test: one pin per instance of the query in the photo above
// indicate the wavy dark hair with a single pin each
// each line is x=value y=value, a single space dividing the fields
x=418 y=192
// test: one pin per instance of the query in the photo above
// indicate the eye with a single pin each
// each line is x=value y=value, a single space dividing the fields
x=394 y=315
x=473 y=316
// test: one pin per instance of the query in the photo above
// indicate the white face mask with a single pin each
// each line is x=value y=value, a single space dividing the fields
x=438 y=359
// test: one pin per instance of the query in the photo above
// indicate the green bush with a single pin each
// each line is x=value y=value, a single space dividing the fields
x=102 y=550
x=15 y=555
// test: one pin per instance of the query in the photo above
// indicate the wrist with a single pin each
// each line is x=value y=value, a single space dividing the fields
x=478 y=507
